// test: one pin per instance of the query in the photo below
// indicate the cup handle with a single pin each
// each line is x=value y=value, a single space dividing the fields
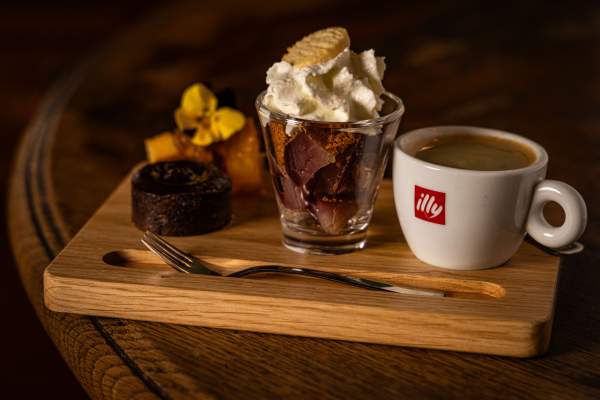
x=575 y=214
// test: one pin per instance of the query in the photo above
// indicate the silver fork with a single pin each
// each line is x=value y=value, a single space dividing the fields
x=187 y=263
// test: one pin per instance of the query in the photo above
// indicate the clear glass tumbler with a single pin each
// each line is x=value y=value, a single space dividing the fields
x=326 y=175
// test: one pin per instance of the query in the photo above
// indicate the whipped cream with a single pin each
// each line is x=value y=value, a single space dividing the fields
x=343 y=89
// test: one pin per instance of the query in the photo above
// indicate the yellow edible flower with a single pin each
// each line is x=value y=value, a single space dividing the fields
x=204 y=136
x=226 y=121
x=198 y=101
x=198 y=112
x=184 y=121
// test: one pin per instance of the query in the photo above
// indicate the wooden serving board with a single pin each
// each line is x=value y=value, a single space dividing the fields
x=105 y=271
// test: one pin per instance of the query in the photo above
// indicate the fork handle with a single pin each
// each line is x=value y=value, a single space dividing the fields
x=345 y=279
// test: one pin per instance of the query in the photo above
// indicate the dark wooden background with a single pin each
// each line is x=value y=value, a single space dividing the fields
x=39 y=42
x=553 y=72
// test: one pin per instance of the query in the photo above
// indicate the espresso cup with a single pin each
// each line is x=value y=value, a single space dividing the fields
x=469 y=219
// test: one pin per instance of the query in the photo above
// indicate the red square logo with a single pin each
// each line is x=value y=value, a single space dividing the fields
x=430 y=205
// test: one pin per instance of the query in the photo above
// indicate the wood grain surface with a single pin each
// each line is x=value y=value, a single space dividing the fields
x=530 y=68
x=104 y=271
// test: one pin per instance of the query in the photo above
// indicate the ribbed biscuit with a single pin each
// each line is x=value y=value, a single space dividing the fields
x=318 y=47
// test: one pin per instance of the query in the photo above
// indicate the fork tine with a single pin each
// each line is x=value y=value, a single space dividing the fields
x=160 y=244
x=165 y=256
x=170 y=252
x=160 y=240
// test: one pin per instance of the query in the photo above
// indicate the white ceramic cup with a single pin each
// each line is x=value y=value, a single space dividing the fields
x=464 y=219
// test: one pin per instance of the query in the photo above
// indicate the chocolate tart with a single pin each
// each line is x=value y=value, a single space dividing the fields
x=180 y=198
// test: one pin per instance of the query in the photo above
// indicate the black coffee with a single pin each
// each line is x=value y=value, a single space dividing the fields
x=476 y=152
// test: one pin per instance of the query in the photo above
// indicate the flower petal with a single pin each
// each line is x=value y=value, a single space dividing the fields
x=185 y=121
x=198 y=101
x=226 y=121
x=204 y=136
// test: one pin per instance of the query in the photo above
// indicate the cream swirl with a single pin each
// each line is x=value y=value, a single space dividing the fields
x=345 y=88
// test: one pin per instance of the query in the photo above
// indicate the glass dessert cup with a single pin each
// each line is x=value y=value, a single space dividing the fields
x=326 y=175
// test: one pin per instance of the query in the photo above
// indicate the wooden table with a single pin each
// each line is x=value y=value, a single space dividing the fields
x=531 y=69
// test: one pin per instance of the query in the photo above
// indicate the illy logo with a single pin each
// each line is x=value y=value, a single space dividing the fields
x=430 y=205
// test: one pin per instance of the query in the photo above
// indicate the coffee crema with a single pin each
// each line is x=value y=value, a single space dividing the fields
x=476 y=152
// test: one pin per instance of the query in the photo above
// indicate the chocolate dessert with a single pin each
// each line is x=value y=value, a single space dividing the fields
x=322 y=172
x=328 y=125
x=180 y=198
